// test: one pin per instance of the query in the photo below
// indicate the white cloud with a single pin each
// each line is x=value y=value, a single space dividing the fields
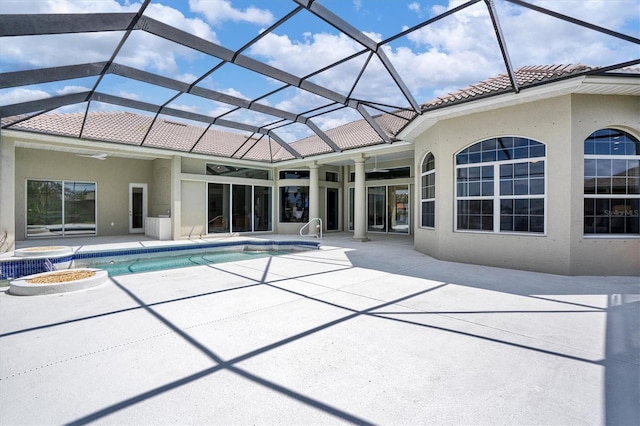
x=462 y=49
x=233 y=92
x=300 y=101
x=415 y=7
x=175 y=18
x=142 y=50
x=186 y=77
x=302 y=58
x=331 y=121
x=66 y=6
x=19 y=95
x=66 y=90
x=218 y=111
x=129 y=95
x=187 y=108
x=218 y=11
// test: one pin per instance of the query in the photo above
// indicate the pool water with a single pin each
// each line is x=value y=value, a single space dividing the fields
x=149 y=264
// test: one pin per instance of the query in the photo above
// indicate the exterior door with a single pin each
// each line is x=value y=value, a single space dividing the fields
x=137 y=207
x=376 y=209
x=398 y=219
x=388 y=209
x=332 y=209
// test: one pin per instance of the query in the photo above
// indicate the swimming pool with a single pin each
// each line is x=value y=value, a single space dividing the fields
x=149 y=264
x=147 y=258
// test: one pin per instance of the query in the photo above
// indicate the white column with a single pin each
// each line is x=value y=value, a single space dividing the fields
x=314 y=192
x=360 y=203
x=7 y=195
x=176 y=198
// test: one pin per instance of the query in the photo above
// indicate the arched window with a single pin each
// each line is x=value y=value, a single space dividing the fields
x=611 y=183
x=428 y=197
x=500 y=186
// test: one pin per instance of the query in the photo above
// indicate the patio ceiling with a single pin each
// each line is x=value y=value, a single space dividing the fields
x=337 y=90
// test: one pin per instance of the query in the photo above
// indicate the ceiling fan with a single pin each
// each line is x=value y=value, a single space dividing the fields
x=375 y=167
x=95 y=156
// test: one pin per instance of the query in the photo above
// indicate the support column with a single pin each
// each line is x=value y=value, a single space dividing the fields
x=176 y=198
x=7 y=196
x=314 y=192
x=360 y=203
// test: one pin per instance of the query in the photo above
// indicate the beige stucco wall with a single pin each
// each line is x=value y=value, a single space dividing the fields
x=112 y=176
x=194 y=208
x=7 y=193
x=545 y=121
x=600 y=255
x=557 y=123
x=160 y=188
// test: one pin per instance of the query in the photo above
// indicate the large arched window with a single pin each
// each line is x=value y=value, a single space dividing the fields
x=500 y=186
x=611 y=183
x=428 y=192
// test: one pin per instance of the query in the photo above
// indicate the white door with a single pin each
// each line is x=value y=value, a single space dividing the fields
x=137 y=207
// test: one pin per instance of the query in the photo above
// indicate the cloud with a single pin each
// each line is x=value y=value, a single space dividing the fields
x=233 y=92
x=19 y=95
x=463 y=49
x=333 y=120
x=66 y=6
x=66 y=90
x=415 y=7
x=129 y=95
x=142 y=50
x=218 y=11
x=316 y=51
x=187 y=108
x=175 y=18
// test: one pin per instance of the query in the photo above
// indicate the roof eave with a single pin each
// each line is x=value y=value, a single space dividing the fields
x=489 y=102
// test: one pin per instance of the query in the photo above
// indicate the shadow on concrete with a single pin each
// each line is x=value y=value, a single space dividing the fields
x=622 y=380
x=622 y=349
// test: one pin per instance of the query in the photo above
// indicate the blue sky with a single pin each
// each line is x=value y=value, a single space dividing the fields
x=436 y=60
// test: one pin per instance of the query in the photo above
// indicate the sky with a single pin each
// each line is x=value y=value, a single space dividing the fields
x=442 y=57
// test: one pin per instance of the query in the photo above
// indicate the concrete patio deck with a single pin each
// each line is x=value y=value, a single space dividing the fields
x=364 y=333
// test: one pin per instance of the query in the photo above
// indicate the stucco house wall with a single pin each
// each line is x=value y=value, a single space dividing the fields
x=563 y=248
x=610 y=254
x=194 y=208
x=112 y=176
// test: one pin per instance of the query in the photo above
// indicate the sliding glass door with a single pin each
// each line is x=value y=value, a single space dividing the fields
x=59 y=208
x=239 y=208
x=388 y=208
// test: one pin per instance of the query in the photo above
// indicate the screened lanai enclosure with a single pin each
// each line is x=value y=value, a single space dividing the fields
x=273 y=73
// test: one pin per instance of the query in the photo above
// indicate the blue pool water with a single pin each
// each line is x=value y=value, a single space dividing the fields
x=133 y=266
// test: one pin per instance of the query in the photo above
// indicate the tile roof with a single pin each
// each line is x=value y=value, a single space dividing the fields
x=135 y=129
x=525 y=76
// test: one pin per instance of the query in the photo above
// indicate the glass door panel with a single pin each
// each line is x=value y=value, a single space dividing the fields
x=262 y=220
x=332 y=209
x=241 y=208
x=218 y=208
x=44 y=208
x=79 y=208
x=137 y=207
x=352 y=199
x=376 y=208
x=399 y=209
